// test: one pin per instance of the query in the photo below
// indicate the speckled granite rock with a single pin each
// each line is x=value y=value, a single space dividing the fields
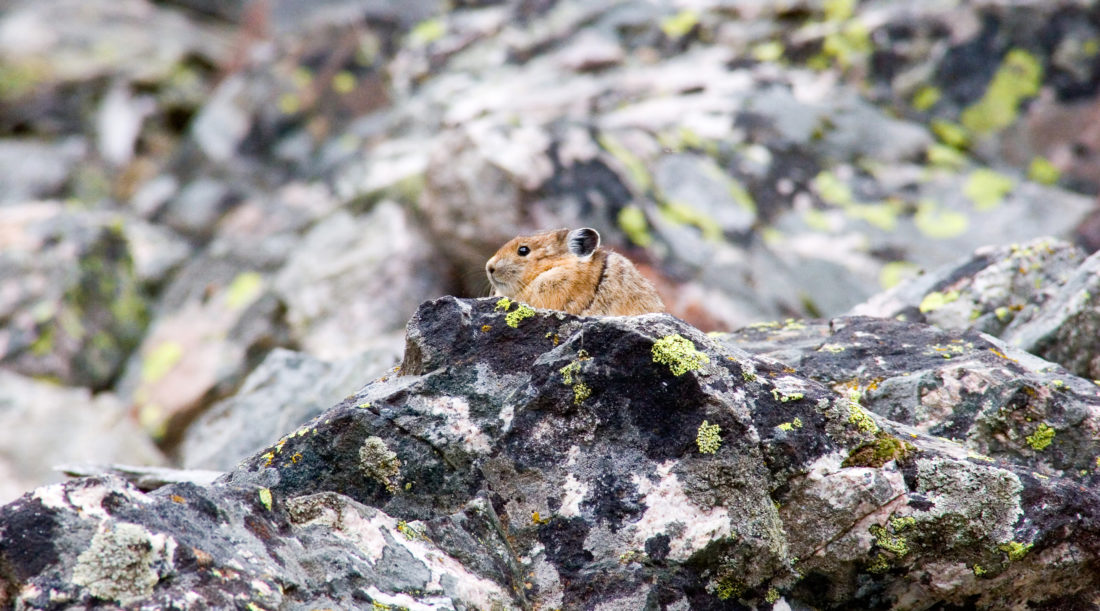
x=532 y=459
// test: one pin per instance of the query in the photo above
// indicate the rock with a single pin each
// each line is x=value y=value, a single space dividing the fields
x=532 y=459
x=285 y=391
x=31 y=169
x=72 y=306
x=44 y=425
x=1040 y=296
x=354 y=279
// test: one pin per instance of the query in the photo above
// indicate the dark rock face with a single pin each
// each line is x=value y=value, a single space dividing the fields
x=531 y=459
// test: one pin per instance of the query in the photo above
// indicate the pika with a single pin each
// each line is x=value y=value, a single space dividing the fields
x=567 y=270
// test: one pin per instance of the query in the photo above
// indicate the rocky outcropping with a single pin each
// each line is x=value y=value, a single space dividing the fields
x=531 y=459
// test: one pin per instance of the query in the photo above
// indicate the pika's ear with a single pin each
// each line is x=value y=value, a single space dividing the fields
x=584 y=241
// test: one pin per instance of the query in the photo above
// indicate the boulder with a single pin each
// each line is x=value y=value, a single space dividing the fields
x=529 y=458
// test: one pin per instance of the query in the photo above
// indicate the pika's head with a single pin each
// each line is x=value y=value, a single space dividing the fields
x=523 y=259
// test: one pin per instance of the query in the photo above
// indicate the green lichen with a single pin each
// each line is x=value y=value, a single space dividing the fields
x=1043 y=171
x=680 y=24
x=769 y=51
x=772 y=595
x=727 y=587
x=679 y=353
x=639 y=174
x=857 y=416
x=939 y=223
x=882 y=450
x=160 y=360
x=633 y=223
x=243 y=290
x=411 y=530
x=926 y=97
x=378 y=462
x=943 y=156
x=894 y=272
x=523 y=311
x=790 y=426
x=681 y=213
x=265 y=498
x=427 y=32
x=978 y=570
x=987 y=188
x=1018 y=78
x=786 y=398
x=1015 y=550
x=951 y=134
x=581 y=391
x=880 y=564
x=708 y=438
x=1041 y=438
x=503 y=304
x=888 y=541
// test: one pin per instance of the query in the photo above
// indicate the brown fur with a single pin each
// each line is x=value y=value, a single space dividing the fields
x=603 y=283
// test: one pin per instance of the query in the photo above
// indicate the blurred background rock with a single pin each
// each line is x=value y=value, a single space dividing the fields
x=213 y=210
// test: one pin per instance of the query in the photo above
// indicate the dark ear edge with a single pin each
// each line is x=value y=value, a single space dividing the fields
x=584 y=241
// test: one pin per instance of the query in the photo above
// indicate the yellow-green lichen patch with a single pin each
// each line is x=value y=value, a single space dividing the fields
x=857 y=416
x=522 y=312
x=951 y=134
x=786 y=397
x=639 y=174
x=878 y=452
x=265 y=498
x=943 y=156
x=633 y=223
x=244 y=289
x=987 y=188
x=160 y=361
x=681 y=213
x=411 y=530
x=936 y=300
x=978 y=570
x=378 y=462
x=1015 y=550
x=790 y=426
x=1043 y=171
x=926 y=97
x=680 y=24
x=427 y=32
x=1018 y=78
x=769 y=51
x=1041 y=438
x=888 y=541
x=504 y=304
x=679 y=353
x=581 y=391
x=708 y=438
x=939 y=223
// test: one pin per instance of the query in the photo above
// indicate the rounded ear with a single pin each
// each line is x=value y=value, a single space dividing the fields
x=584 y=241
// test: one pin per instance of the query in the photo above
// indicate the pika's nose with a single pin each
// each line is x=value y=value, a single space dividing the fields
x=489 y=267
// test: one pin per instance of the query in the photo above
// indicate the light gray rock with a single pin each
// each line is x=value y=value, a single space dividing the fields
x=44 y=425
x=354 y=278
x=285 y=391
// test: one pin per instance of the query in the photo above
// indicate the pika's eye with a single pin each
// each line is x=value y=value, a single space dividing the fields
x=523 y=251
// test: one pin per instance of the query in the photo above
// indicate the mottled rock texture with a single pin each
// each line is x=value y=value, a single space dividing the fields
x=531 y=459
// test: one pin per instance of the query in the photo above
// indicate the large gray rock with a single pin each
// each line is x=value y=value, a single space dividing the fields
x=530 y=458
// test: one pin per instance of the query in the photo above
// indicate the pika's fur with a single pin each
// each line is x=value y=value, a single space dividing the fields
x=567 y=270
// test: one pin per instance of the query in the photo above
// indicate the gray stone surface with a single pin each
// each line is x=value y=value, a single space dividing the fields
x=529 y=459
